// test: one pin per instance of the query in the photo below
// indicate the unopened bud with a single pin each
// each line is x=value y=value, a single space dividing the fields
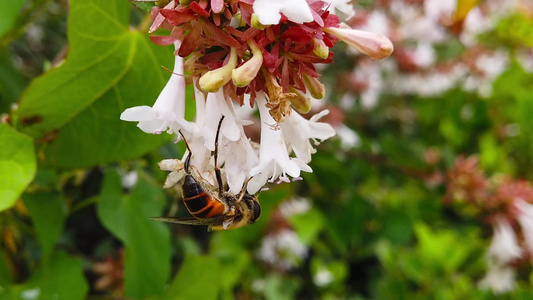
x=320 y=49
x=376 y=46
x=237 y=20
x=300 y=103
x=212 y=81
x=217 y=6
x=185 y=2
x=256 y=24
x=162 y=3
x=244 y=74
x=316 y=89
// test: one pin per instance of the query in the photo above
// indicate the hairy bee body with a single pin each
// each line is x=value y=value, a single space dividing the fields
x=199 y=203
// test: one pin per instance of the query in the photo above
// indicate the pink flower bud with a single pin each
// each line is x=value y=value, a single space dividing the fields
x=376 y=46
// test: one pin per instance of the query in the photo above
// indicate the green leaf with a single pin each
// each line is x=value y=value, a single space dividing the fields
x=280 y=288
x=12 y=83
x=110 y=67
x=8 y=14
x=396 y=226
x=48 y=212
x=62 y=278
x=235 y=259
x=5 y=277
x=434 y=251
x=145 y=5
x=308 y=225
x=198 y=278
x=147 y=243
x=17 y=165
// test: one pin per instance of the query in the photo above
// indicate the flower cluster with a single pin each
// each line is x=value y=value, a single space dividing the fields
x=242 y=53
x=425 y=62
x=505 y=204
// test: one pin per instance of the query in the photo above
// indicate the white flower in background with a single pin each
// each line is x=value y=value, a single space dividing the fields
x=504 y=246
x=282 y=249
x=269 y=11
x=169 y=108
x=344 y=6
x=429 y=84
x=503 y=249
x=474 y=24
x=297 y=132
x=499 y=279
x=296 y=206
x=376 y=22
x=274 y=160
x=492 y=65
x=424 y=55
x=30 y=294
x=370 y=74
x=129 y=179
x=439 y=9
x=525 y=59
x=349 y=138
x=525 y=218
x=323 y=277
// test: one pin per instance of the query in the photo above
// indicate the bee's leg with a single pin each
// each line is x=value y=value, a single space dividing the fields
x=188 y=159
x=243 y=191
x=217 y=170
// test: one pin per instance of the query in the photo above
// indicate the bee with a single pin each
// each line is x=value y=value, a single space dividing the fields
x=220 y=210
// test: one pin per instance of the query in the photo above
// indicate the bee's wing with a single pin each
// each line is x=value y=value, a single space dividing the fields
x=187 y=221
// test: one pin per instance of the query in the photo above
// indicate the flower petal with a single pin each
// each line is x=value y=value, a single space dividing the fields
x=268 y=11
x=298 y=131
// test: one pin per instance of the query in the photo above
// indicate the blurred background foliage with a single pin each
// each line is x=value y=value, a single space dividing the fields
x=77 y=185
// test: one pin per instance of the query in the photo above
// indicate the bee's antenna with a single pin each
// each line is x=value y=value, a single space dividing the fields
x=217 y=170
x=188 y=159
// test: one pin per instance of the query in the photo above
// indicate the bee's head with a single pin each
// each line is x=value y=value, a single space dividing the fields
x=248 y=211
x=256 y=210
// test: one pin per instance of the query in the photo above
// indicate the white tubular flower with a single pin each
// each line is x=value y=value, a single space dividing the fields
x=504 y=247
x=233 y=146
x=239 y=158
x=269 y=11
x=216 y=107
x=525 y=218
x=201 y=156
x=274 y=160
x=169 y=108
x=297 y=132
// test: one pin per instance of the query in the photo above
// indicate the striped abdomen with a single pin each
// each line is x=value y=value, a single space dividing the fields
x=200 y=204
